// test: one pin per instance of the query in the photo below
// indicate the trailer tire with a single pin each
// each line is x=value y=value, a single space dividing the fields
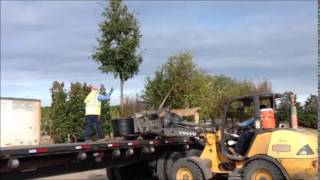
x=161 y=167
x=109 y=174
x=115 y=173
x=172 y=158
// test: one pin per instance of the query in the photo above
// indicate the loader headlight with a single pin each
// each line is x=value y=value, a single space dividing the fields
x=305 y=150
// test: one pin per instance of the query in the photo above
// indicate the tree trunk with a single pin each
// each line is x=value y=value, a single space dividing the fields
x=121 y=96
x=165 y=98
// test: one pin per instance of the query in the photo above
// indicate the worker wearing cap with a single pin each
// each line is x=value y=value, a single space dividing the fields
x=93 y=112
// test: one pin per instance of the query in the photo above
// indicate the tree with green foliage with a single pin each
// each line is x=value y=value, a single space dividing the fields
x=75 y=110
x=117 y=47
x=58 y=112
x=46 y=122
x=283 y=109
x=188 y=86
x=174 y=76
x=309 y=116
x=105 y=117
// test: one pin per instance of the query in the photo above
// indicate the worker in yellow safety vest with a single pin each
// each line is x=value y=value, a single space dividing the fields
x=93 y=112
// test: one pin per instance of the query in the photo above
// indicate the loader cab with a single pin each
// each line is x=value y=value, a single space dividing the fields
x=244 y=117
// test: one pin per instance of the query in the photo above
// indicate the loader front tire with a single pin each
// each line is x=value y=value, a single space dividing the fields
x=186 y=170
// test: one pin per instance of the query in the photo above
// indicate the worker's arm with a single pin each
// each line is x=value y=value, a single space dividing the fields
x=110 y=92
x=246 y=122
x=105 y=97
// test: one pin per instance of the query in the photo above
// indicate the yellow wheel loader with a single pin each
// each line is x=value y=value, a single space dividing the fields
x=262 y=149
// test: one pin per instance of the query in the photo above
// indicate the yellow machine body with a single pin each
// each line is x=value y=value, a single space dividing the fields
x=282 y=145
x=268 y=153
x=213 y=152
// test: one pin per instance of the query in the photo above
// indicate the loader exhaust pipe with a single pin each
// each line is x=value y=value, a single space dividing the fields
x=293 y=112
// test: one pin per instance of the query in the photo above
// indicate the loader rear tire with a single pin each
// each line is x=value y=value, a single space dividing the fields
x=262 y=169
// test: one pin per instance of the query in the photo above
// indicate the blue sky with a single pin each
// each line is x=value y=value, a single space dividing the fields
x=53 y=40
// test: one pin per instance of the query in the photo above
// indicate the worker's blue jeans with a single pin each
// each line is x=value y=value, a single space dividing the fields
x=93 y=120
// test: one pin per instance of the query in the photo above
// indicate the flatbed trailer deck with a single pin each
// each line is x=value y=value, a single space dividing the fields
x=16 y=161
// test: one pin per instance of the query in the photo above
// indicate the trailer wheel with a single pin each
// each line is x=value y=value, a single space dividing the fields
x=115 y=173
x=136 y=171
x=172 y=158
x=186 y=170
x=109 y=173
x=262 y=169
x=161 y=167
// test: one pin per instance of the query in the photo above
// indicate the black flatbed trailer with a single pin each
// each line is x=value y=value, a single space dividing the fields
x=142 y=150
x=152 y=155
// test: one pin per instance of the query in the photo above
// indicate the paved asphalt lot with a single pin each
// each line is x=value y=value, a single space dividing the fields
x=99 y=174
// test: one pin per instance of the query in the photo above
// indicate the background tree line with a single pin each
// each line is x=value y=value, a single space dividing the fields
x=307 y=113
x=188 y=85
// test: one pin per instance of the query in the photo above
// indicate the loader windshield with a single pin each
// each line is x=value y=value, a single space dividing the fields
x=238 y=112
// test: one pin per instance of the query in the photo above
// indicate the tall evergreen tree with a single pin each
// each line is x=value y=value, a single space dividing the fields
x=58 y=112
x=75 y=110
